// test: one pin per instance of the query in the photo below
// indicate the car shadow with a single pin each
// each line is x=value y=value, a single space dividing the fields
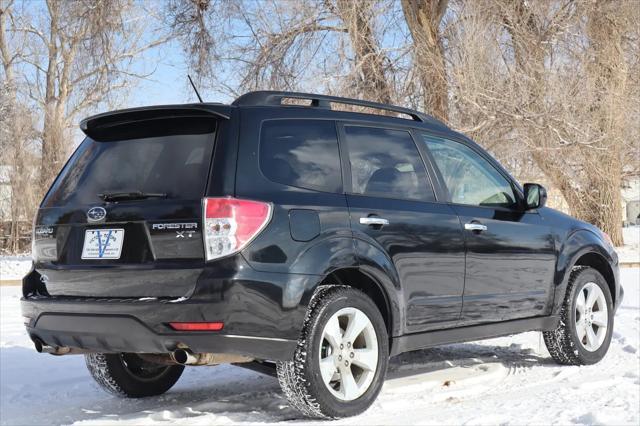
x=463 y=355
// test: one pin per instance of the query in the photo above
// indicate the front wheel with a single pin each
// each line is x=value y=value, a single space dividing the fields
x=586 y=320
x=128 y=375
x=341 y=360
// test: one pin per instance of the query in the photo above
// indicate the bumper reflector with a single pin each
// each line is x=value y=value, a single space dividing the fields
x=197 y=326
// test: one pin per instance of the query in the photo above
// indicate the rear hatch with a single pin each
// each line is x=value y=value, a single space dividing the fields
x=123 y=219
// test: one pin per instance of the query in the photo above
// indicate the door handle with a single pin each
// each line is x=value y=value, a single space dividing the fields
x=379 y=221
x=473 y=226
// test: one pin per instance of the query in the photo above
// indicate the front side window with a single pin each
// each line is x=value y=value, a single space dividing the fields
x=386 y=163
x=302 y=153
x=469 y=177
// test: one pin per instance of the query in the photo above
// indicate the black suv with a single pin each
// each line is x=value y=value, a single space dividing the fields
x=287 y=234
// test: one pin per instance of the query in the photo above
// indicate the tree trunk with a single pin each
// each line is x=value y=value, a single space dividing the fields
x=423 y=17
x=54 y=145
x=598 y=201
x=13 y=152
x=595 y=197
x=604 y=207
x=606 y=29
x=369 y=60
x=53 y=141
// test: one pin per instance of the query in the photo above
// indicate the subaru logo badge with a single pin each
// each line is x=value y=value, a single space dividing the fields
x=96 y=214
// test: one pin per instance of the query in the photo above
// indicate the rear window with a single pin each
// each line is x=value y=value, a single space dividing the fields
x=302 y=153
x=175 y=165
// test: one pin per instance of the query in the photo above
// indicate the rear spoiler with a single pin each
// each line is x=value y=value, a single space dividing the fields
x=154 y=120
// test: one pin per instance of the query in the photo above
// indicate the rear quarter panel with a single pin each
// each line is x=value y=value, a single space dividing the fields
x=309 y=230
x=283 y=246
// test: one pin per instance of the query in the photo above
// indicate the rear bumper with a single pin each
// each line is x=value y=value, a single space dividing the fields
x=127 y=333
x=262 y=316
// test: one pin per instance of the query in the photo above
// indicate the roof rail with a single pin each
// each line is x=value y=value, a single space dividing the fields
x=274 y=98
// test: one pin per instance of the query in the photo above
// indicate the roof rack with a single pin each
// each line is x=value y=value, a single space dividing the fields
x=274 y=98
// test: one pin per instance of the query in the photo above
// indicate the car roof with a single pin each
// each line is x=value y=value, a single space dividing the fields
x=265 y=99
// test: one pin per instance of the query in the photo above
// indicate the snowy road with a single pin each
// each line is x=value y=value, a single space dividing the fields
x=506 y=380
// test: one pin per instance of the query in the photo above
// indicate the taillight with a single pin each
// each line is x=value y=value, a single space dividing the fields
x=231 y=223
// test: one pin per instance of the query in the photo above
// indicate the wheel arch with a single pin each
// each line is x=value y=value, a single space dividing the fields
x=600 y=264
x=354 y=277
x=358 y=264
x=585 y=248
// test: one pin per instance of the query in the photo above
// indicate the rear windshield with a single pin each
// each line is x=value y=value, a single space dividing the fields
x=175 y=165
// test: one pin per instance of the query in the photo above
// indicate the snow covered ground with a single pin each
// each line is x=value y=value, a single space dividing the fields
x=509 y=380
x=630 y=252
x=14 y=267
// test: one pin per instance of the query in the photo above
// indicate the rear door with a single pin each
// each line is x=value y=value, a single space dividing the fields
x=510 y=257
x=123 y=218
x=393 y=208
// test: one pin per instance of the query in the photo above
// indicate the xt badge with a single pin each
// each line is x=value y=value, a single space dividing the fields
x=183 y=234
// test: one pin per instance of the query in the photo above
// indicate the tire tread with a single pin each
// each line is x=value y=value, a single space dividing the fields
x=293 y=375
x=101 y=373
x=110 y=374
x=559 y=342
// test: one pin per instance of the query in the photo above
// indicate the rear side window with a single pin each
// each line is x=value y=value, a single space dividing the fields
x=302 y=153
x=386 y=163
x=175 y=165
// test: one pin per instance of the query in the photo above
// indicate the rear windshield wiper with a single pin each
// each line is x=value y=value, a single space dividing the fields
x=130 y=195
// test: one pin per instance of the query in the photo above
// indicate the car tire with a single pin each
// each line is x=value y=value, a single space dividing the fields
x=351 y=384
x=130 y=376
x=586 y=320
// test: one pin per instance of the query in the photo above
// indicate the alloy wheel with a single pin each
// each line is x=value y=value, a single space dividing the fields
x=348 y=354
x=592 y=316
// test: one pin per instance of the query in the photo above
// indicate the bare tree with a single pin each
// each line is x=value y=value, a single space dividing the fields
x=589 y=134
x=423 y=18
x=16 y=134
x=283 y=44
x=189 y=20
x=551 y=87
x=608 y=23
x=540 y=82
x=370 y=65
x=59 y=60
x=81 y=54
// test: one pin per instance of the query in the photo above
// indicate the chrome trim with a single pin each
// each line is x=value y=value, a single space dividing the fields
x=373 y=221
x=272 y=339
x=474 y=227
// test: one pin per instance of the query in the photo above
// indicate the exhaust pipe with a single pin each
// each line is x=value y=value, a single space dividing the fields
x=185 y=356
x=43 y=348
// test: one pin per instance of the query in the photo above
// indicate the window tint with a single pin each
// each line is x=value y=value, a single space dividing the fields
x=386 y=163
x=469 y=178
x=175 y=165
x=302 y=153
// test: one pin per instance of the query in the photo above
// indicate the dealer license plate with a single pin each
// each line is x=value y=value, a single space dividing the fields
x=102 y=243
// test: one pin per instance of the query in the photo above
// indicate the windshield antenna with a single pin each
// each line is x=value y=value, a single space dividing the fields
x=194 y=88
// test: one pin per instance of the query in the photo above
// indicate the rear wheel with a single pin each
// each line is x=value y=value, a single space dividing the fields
x=128 y=375
x=341 y=360
x=586 y=320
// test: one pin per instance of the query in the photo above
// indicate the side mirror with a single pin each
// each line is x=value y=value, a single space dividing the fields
x=535 y=196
